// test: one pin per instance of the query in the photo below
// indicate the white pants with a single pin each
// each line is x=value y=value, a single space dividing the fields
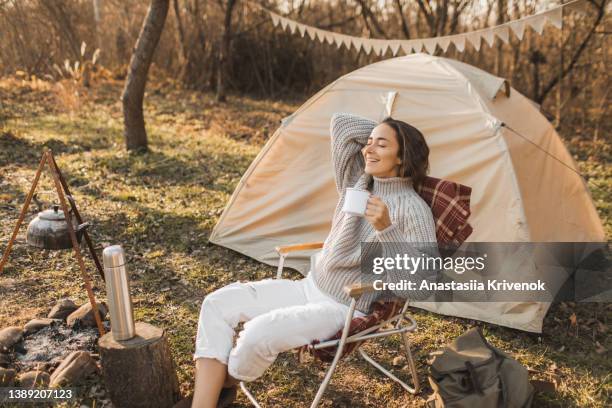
x=280 y=315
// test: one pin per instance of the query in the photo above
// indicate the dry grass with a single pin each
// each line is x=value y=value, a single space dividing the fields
x=162 y=206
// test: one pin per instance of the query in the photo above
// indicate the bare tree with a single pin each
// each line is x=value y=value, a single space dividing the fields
x=59 y=16
x=226 y=40
x=97 y=8
x=133 y=93
x=180 y=31
x=368 y=15
x=195 y=59
x=501 y=18
x=440 y=15
x=541 y=94
x=404 y=22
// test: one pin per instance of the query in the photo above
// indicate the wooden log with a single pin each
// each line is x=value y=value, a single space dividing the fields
x=139 y=372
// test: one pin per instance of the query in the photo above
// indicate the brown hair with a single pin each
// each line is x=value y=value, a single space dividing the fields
x=413 y=150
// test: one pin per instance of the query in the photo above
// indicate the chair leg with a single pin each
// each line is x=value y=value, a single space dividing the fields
x=249 y=395
x=281 y=263
x=411 y=364
x=413 y=373
x=330 y=370
x=328 y=375
x=317 y=398
x=340 y=349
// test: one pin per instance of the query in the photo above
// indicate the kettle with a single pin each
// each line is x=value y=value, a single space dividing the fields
x=48 y=230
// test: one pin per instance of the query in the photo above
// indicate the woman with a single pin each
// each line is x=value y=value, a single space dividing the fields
x=388 y=159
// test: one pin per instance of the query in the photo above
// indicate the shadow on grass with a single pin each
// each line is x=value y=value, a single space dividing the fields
x=154 y=168
x=12 y=199
x=17 y=150
x=298 y=383
x=83 y=133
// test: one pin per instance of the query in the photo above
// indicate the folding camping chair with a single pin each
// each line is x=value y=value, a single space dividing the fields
x=450 y=207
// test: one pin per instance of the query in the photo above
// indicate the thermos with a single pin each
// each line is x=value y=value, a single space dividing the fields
x=118 y=293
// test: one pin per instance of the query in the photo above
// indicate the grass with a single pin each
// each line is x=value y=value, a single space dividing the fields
x=162 y=206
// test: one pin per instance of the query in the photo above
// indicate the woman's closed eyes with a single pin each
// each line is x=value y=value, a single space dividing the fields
x=380 y=143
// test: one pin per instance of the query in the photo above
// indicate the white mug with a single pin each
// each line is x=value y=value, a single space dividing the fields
x=355 y=201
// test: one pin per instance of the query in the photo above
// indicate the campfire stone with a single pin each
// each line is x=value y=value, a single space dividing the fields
x=75 y=367
x=33 y=379
x=62 y=309
x=84 y=316
x=10 y=336
x=35 y=325
x=7 y=377
x=5 y=360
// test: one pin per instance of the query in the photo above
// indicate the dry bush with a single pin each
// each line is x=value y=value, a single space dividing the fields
x=266 y=62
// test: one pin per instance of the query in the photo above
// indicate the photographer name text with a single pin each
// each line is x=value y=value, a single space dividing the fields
x=472 y=285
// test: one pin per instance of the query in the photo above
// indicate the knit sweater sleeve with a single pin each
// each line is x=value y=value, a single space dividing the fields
x=349 y=133
x=413 y=235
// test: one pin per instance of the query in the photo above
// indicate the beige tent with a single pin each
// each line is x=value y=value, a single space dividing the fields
x=520 y=191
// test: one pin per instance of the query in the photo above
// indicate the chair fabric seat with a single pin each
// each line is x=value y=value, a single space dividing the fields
x=381 y=311
x=450 y=207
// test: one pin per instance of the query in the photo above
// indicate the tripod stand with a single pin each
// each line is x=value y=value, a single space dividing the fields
x=65 y=198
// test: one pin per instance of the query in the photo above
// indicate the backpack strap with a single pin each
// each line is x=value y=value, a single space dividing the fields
x=474 y=378
x=502 y=357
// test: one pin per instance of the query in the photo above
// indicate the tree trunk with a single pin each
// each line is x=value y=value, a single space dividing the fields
x=226 y=40
x=403 y=21
x=139 y=372
x=97 y=6
x=133 y=93
x=181 y=41
x=499 y=55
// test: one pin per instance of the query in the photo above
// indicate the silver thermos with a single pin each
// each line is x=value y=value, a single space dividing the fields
x=118 y=293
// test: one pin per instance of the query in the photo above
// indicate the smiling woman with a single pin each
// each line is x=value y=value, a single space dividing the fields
x=282 y=314
x=396 y=148
x=381 y=153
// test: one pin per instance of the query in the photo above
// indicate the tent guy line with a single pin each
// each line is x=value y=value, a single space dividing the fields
x=544 y=150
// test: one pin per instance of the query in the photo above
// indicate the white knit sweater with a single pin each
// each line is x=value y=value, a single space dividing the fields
x=412 y=228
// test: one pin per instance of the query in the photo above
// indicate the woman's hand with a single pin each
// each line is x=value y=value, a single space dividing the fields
x=377 y=213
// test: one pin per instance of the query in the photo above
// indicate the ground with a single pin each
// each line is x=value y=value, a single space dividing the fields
x=162 y=206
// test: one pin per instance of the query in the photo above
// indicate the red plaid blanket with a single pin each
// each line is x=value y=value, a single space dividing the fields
x=450 y=206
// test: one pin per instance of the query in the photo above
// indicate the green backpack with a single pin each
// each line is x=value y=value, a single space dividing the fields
x=472 y=373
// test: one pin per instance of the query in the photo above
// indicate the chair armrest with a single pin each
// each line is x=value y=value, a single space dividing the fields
x=285 y=249
x=357 y=289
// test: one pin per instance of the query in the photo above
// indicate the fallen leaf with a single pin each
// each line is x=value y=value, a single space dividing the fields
x=573 y=320
x=602 y=328
x=600 y=349
x=399 y=361
x=544 y=386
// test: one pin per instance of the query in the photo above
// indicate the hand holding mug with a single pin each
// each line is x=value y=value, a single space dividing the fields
x=377 y=213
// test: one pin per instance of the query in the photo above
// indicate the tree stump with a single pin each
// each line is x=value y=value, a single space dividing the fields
x=139 y=372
